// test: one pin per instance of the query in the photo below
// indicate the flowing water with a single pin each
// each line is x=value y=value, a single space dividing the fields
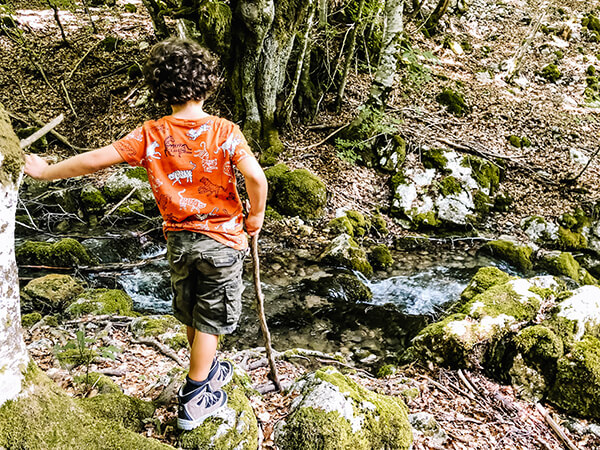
x=308 y=305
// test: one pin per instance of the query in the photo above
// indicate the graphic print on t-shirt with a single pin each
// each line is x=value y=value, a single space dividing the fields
x=190 y=170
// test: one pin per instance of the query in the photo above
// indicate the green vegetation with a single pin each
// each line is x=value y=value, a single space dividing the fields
x=101 y=301
x=51 y=293
x=299 y=192
x=92 y=199
x=28 y=320
x=450 y=186
x=380 y=257
x=64 y=253
x=551 y=73
x=485 y=278
x=453 y=101
x=434 y=159
x=515 y=254
x=486 y=173
x=565 y=264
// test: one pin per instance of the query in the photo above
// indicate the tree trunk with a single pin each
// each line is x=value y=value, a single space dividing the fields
x=385 y=77
x=263 y=37
x=13 y=353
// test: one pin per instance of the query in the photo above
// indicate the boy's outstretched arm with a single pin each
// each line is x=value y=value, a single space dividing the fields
x=256 y=185
x=75 y=166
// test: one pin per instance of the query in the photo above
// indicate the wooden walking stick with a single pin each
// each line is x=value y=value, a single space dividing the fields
x=261 y=313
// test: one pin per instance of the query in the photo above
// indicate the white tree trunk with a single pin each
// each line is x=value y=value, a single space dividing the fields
x=385 y=77
x=13 y=353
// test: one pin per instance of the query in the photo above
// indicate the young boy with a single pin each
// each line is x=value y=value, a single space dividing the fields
x=189 y=156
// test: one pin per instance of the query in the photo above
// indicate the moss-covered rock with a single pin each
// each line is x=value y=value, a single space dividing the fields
x=379 y=224
x=341 y=225
x=50 y=293
x=449 y=186
x=129 y=412
x=92 y=199
x=300 y=194
x=530 y=384
x=434 y=158
x=486 y=173
x=540 y=348
x=121 y=183
x=48 y=418
x=393 y=159
x=511 y=252
x=578 y=314
x=453 y=101
x=577 y=385
x=564 y=264
x=485 y=278
x=29 y=320
x=233 y=427
x=353 y=289
x=101 y=301
x=333 y=412
x=380 y=257
x=273 y=175
x=97 y=381
x=571 y=240
x=166 y=328
x=64 y=253
x=539 y=230
x=344 y=251
x=551 y=73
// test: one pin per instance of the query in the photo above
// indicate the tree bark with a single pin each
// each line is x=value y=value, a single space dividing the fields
x=385 y=77
x=13 y=353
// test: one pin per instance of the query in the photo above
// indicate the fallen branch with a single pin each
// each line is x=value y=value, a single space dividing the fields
x=160 y=347
x=556 y=427
x=42 y=131
x=327 y=138
x=82 y=58
x=57 y=135
x=574 y=180
x=117 y=205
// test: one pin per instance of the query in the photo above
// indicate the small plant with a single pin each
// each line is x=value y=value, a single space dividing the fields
x=551 y=73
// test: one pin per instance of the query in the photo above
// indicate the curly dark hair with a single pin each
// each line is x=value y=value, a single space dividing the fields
x=179 y=70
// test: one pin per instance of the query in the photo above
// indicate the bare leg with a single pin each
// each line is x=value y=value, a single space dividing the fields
x=203 y=352
x=191 y=333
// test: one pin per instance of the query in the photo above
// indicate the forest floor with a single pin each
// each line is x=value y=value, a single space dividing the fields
x=92 y=82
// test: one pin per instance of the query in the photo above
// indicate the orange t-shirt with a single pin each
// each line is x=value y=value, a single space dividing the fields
x=190 y=169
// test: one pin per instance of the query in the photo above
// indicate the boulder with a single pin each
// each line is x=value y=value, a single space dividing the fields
x=64 y=253
x=122 y=182
x=50 y=294
x=331 y=411
x=564 y=264
x=101 y=301
x=299 y=193
x=380 y=257
x=449 y=191
x=233 y=427
x=515 y=254
x=92 y=200
x=344 y=251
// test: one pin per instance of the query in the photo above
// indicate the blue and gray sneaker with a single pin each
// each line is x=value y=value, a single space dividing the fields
x=197 y=405
x=220 y=374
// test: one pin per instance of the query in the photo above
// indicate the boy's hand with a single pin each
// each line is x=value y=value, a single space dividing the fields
x=254 y=223
x=35 y=166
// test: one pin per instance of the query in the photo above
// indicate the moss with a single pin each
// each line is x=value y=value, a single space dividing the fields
x=379 y=224
x=214 y=26
x=273 y=175
x=551 y=73
x=101 y=301
x=109 y=43
x=137 y=173
x=50 y=293
x=386 y=371
x=28 y=320
x=156 y=325
x=515 y=141
x=92 y=199
x=64 y=253
x=345 y=251
x=428 y=219
x=301 y=194
x=360 y=224
x=130 y=8
x=101 y=383
x=503 y=202
x=450 y=186
x=591 y=22
x=354 y=289
x=131 y=208
x=48 y=418
x=499 y=300
x=486 y=173
x=341 y=225
x=566 y=265
x=454 y=102
x=134 y=72
x=525 y=142
x=129 y=412
x=177 y=342
x=570 y=240
x=517 y=255
x=540 y=348
x=312 y=428
x=271 y=214
x=577 y=385
x=13 y=160
x=591 y=71
x=434 y=158
x=73 y=357
x=482 y=203
x=240 y=433
x=485 y=278
x=380 y=257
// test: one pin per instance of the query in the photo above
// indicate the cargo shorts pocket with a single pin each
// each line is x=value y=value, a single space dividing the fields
x=233 y=302
x=222 y=258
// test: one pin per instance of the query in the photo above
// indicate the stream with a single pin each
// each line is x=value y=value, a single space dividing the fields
x=308 y=305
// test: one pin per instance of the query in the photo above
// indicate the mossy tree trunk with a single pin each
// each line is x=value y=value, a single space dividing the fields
x=263 y=35
x=13 y=353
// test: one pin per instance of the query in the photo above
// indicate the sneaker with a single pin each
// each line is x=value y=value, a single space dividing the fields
x=220 y=374
x=198 y=405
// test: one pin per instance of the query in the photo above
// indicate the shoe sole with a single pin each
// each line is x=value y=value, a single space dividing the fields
x=188 y=425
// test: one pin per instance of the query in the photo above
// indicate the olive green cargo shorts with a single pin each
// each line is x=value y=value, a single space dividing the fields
x=206 y=277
